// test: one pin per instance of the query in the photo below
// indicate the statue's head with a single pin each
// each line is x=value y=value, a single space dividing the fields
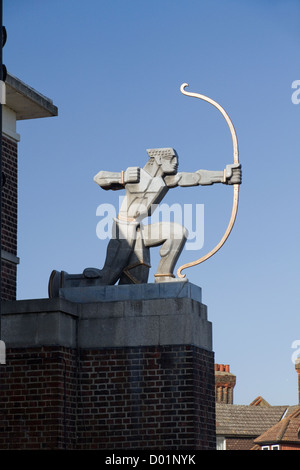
x=166 y=158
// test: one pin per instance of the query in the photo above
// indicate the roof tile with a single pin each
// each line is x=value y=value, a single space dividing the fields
x=245 y=420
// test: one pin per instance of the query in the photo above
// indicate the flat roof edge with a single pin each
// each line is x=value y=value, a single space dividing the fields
x=27 y=102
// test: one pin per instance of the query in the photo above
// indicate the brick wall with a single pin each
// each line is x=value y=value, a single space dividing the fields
x=37 y=399
x=9 y=216
x=289 y=446
x=9 y=280
x=156 y=397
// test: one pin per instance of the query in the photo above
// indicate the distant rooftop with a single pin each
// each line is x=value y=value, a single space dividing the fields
x=286 y=430
x=246 y=420
x=26 y=102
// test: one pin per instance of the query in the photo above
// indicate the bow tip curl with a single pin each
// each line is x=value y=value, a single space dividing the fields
x=183 y=86
x=182 y=276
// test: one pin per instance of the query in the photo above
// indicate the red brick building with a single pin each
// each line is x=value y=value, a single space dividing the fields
x=22 y=102
x=284 y=435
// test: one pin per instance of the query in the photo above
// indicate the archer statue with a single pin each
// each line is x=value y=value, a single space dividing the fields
x=128 y=252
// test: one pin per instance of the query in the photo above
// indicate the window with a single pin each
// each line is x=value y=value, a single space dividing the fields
x=273 y=447
x=221 y=443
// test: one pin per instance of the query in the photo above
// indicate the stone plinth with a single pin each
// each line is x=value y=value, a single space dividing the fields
x=168 y=290
x=133 y=370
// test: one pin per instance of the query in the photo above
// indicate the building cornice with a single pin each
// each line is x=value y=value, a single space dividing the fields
x=26 y=102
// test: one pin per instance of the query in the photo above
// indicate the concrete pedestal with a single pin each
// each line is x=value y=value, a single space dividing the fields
x=121 y=367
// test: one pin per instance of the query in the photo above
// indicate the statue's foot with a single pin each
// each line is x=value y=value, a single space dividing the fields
x=54 y=284
x=92 y=273
x=89 y=277
x=159 y=279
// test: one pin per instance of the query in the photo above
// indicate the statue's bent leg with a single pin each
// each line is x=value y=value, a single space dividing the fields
x=119 y=249
x=172 y=238
x=137 y=269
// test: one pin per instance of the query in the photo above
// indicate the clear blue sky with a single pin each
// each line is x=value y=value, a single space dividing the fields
x=114 y=69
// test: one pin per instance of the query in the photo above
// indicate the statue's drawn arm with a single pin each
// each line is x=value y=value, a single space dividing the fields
x=117 y=180
x=230 y=175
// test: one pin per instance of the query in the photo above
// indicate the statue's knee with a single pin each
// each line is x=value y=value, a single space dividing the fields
x=176 y=241
x=166 y=248
x=179 y=232
x=185 y=233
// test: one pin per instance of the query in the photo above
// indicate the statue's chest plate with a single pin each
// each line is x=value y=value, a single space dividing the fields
x=147 y=185
x=142 y=197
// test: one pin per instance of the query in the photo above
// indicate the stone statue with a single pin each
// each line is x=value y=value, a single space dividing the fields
x=128 y=252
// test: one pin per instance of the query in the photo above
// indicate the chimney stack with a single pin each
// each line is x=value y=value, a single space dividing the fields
x=224 y=384
x=297 y=367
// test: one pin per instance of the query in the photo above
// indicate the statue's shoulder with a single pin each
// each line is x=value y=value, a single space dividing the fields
x=142 y=185
x=172 y=180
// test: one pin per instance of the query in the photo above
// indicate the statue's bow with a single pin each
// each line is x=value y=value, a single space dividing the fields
x=235 y=186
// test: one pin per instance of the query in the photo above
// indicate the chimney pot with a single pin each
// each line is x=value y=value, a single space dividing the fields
x=224 y=384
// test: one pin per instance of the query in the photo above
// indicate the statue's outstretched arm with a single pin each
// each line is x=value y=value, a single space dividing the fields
x=117 y=180
x=230 y=175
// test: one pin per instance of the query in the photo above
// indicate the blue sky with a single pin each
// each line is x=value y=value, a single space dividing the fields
x=114 y=69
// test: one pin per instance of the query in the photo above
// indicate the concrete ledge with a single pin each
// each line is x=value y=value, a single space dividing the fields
x=41 y=322
x=14 y=307
x=26 y=102
x=145 y=323
x=175 y=319
x=10 y=257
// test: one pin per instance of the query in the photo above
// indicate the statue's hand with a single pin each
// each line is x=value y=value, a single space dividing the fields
x=132 y=175
x=233 y=174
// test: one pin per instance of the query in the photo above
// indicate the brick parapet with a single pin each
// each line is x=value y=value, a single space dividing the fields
x=125 y=398
x=65 y=387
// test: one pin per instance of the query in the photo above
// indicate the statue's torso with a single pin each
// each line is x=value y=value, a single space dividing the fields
x=141 y=198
